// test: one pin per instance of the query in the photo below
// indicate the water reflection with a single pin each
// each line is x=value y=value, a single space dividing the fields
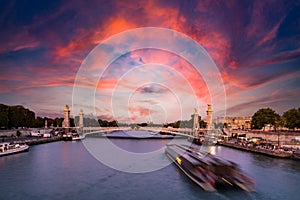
x=65 y=170
x=286 y=165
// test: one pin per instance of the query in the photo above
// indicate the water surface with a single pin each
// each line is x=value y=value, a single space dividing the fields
x=66 y=170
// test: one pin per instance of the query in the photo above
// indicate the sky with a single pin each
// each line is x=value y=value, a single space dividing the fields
x=50 y=49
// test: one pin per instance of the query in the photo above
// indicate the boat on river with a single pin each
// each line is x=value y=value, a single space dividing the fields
x=208 y=171
x=9 y=148
x=77 y=137
x=72 y=137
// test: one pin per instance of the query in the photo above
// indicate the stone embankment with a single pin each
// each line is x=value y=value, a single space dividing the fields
x=275 y=153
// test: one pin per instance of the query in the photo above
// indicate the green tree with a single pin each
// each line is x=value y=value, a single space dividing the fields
x=103 y=123
x=15 y=116
x=202 y=124
x=18 y=116
x=264 y=116
x=18 y=133
x=58 y=121
x=3 y=115
x=114 y=123
x=291 y=118
x=186 y=123
x=72 y=124
x=176 y=124
x=39 y=122
x=76 y=120
x=29 y=118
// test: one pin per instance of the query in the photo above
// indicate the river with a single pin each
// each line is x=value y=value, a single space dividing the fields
x=70 y=170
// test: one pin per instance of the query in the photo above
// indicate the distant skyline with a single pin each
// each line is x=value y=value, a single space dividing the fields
x=254 y=44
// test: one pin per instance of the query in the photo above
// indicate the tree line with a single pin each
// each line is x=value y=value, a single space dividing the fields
x=92 y=122
x=18 y=116
x=290 y=119
x=186 y=123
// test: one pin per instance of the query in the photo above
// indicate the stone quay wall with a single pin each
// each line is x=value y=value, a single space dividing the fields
x=283 y=137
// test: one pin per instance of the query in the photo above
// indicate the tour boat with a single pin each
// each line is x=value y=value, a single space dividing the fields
x=7 y=148
x=208 y=171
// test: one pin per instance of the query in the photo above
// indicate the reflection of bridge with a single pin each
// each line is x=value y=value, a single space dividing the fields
x=155 y=130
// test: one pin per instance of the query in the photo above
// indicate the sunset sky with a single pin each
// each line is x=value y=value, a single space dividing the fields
x=255 y=45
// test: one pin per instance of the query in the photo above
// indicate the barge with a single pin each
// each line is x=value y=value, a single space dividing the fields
x=8 y=148
x=208 y=171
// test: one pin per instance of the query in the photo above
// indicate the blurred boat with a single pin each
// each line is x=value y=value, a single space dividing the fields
x=208 y=171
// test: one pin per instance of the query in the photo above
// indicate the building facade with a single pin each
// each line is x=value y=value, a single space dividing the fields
x=235 y=123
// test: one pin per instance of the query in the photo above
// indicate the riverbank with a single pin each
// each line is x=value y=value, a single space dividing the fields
x=275 y=137
x=279 y=153
x=33 y=140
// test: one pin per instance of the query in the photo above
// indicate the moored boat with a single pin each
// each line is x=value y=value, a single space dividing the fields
x=208 y=171
x=67 y=137
x=8 y=148
x=76 y=137
x=72 y=137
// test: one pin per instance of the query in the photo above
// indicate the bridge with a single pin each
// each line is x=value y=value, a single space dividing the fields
x=187 y=132
x=194 y=132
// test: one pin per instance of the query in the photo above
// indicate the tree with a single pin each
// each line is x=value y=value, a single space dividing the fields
x=102 y=123
x=202 y=124
x=3 y=115
x=15 y=116
x=72 y=124
x=186 y=123
x=39 y=122
x=264 y=116
x=18 y=116
x=18 y=133
x=291 y=118
x=58 y=121
x=114 y=123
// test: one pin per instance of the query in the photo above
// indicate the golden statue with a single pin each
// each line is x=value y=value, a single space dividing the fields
x=67 y=107
x=195 y=111
x=209 y=108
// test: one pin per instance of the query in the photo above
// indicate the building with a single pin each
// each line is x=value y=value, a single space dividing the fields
x=235 y=123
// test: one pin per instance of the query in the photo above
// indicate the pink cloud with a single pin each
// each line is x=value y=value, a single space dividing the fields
x=272 y=34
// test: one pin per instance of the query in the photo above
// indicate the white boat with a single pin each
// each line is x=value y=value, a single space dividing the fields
x=8 y=149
